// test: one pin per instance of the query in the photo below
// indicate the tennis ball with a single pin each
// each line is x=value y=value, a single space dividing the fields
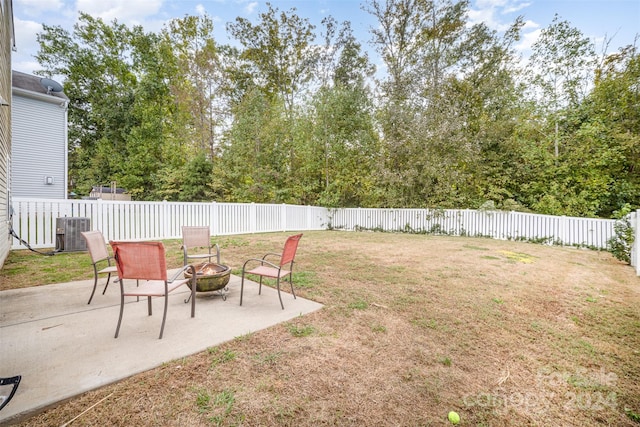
x=454 y=417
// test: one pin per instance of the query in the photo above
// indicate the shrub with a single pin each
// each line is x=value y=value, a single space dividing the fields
x=620 y=245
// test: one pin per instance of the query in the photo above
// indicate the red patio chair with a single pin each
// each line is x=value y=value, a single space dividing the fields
x=273 y=270
x=145 y=262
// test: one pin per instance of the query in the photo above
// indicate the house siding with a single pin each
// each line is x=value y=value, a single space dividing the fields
x=6 y=44
x=39 y=148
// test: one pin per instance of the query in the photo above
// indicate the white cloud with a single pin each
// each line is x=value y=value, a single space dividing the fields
x=492 y=13
x=25 y=32
x=530 y=25
x=499 y=15
x=200 y=9
x=484 y=4
x=126 y=11
x=477 y=16
x=251 y=7
x=515 y=7
x=26 y=46
x=36 y=7
x=527 y=40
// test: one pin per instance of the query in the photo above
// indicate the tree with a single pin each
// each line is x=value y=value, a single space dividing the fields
x=344 y=147
x=427 y=146
x=252 y=166
x=561 y=65
x=198 y=81
x=488 y=102
x=279 y=48
x=608 y=136
x=101 y=86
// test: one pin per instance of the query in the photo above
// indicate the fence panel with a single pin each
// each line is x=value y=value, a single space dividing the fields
x=34 y=220
x=590 y=232
x=634 y=221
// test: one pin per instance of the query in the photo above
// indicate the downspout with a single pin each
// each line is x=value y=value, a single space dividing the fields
x=66 y=148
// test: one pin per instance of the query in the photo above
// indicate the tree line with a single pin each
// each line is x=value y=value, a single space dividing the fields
x=291 y=113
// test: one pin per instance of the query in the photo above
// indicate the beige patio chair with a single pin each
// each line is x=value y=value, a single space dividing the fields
x=274 y=270
x=99 y=254
x=195 y=238
x=13 y=383
x=145 y=262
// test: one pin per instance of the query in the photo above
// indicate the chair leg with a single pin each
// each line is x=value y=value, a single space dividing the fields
x=149 y=305
x=164 y=316
x=193 y=298
x=121 y=311
x=291 y=283
x=279 y=296
x=194 y=285
x=241 y=287
x=107 y=284
x=260 y=287
x=95 y=283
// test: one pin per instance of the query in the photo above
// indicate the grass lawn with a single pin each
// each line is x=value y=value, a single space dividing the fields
x=414 y=326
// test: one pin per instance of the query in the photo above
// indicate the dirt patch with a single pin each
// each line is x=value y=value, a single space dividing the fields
x=414 y=326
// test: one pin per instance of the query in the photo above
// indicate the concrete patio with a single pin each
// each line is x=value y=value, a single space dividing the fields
x=63 y=347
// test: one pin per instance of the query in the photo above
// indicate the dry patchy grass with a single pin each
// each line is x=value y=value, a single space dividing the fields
x=414 y=326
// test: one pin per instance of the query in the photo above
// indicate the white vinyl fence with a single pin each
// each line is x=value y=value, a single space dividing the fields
x=34 y=220
x=593 y=233
x=635 y=250
x=560 y=230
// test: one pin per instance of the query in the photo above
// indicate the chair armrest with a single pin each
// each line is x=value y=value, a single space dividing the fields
x=182 y=270
x=215 y=245
x=272 y=254
x=261 y=261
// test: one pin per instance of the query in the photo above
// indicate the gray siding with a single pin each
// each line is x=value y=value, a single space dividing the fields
x=39 y=148
x=6 y=44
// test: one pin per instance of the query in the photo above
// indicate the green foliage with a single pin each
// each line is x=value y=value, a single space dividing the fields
x=279 y=51
x=219 y=357
x=193 y=182
x=282 y=118
x=621 y=244
x=359 y=305
x=300 y=331
x=445 y=360
x=634 y=416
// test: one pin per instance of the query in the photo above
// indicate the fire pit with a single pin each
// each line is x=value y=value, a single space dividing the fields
x=210 y=277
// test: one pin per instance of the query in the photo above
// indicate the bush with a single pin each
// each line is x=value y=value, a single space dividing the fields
x=620 y=245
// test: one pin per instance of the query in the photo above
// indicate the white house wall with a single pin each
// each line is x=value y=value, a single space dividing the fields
x=6 y=44
x=39 y=148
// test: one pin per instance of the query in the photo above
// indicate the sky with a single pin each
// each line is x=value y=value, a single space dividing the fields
x=618 y=20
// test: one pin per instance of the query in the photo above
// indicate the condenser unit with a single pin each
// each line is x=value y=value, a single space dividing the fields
x=68 y=237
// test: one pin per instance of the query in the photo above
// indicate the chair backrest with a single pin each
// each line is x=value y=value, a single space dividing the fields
x=96 y=245
x=289 y=251
x=140 y=260
x=194 y=236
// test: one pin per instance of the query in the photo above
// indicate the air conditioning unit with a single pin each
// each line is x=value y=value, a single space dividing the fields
x=68 y=237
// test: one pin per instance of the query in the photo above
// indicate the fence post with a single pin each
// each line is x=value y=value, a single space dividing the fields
x=635 y=251
x=253 y=217
x=213 y=214
x=99 y=225
x=284 y=217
